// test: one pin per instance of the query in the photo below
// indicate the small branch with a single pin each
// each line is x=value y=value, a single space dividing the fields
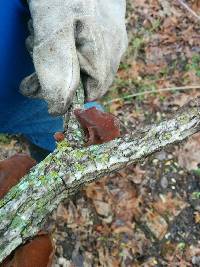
x=189 y=9
x=73 y=132
x=67 y=169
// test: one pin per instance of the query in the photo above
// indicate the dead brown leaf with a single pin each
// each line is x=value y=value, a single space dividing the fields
x=197 y=217
x=137 y=175
x=169 y=205
x=189 y=153
x=102 y=208
x=155 y=223
x=115 y=106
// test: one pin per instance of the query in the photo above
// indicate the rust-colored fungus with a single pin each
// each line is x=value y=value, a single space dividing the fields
x=38 y=252
x=59 y=136
x=12 y=170
x=99 y=126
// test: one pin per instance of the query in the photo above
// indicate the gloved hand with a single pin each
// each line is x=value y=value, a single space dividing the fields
x=73 y=38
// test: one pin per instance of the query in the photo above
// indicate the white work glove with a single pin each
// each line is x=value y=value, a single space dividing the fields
x=73 y=39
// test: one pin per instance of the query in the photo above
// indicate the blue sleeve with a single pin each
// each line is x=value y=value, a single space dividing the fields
x=21 y=115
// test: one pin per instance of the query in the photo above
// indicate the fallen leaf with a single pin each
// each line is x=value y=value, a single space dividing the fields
x=137 y=175
x=156 y=223
x=102 y=208
x=169 y=206
x=189 y=153
x=197 y=217
x=115 y=106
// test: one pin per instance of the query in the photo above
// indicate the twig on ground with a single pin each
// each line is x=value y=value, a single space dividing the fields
x=182 y=88
x=189 y=9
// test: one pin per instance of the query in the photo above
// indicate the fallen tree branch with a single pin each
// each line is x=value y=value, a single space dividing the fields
x=63 y=172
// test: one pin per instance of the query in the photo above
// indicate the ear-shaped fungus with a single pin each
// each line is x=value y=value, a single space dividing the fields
x=38 y=252
x=99 y=126
x=12 y=170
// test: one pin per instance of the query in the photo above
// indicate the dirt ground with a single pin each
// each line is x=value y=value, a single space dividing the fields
x=147 y=214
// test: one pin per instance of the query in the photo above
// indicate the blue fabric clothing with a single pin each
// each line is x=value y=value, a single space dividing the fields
x=18 y=114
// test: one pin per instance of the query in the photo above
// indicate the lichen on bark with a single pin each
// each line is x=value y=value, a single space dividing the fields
x=71 y=166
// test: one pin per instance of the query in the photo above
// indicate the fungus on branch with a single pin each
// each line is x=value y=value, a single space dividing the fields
x=62 y=173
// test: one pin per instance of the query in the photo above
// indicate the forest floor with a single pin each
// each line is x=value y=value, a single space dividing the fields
x=146 y=214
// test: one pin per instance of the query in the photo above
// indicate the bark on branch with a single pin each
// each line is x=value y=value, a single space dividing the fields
x=62 y=173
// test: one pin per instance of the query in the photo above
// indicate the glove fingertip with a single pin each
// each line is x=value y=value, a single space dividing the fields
x=95 y=90
x=61 y=106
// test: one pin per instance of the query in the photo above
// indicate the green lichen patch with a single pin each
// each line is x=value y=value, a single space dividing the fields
x=57 y=160
x=18 y=222
x=63 y=145
x=2 y=203
x=5 y=139
x=14 y=193
x=167 y=136
x=183 y=119
x=104 y=158
x=43 y=179
x=79 y=167
x=53 y=174
x=78 y=154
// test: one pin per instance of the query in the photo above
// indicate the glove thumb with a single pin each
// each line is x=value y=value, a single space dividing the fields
x=57 y=69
